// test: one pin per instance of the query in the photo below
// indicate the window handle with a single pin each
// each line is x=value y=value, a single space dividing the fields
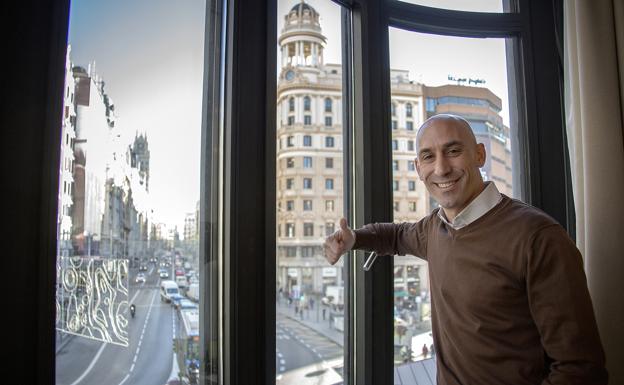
x=370 y=260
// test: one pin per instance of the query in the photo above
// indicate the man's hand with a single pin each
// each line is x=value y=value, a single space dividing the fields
x=339 y=242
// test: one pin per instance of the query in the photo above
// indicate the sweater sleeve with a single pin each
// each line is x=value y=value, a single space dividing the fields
x=562 y=310
x=394 y=238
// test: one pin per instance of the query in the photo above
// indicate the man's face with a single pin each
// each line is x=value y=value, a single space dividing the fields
x=448 y=163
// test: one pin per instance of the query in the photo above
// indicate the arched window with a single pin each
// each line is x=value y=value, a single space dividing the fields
x=328 y=104
x=291 y=104
x=306 y=103
x=408 y=110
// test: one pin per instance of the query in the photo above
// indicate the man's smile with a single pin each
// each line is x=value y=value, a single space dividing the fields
x=446 y=185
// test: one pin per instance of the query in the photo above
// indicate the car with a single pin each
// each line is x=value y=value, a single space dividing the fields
x=142 y=268
x=140 y=278
x=163 y=274
x=186 y=304
x=175 y=299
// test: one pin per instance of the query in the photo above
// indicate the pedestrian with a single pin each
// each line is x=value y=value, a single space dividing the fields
x=432 y=350
x=533 y=307
x=324 y=313
x=425 y=351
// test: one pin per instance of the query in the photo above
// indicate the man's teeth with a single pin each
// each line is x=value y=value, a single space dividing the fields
x=445 y=185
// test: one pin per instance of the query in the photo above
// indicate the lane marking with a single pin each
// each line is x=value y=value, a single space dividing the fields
x=97 y=356
x=124 y=379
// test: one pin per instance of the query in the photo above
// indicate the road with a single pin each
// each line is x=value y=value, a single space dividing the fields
x=146 y=361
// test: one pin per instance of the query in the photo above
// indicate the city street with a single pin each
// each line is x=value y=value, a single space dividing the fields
x=146 y=361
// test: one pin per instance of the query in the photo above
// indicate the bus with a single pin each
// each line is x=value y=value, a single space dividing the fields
x=187 y=344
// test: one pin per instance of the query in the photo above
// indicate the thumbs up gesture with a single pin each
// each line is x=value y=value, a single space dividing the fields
x=339 y=242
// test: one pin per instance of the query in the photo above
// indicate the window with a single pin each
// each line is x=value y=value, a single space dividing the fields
x=411 y=185
x=395 y=185
x=308 y=229
x=395 y=205
x=290 y=230
x=290 y=141
x=411 y=166
x=329 y=141
x=307 y=251
x=408 y=110
x=409 y=126
x=307 y=141
x=291 y=120
x=291 y=252
x=394 y=124
x=329 y=228
x=307 y=183
x=328 y=105
x=412 y=206
x=395 y=165
x=329 y=205
x=328 y=121
x=307 y=205
x=329 y=184
x=329 y=162
x=410 y=145
x=395 y=145
x=290 y=205
x=290 y=183
x=307 y=120
x=291 y=104
x=290 y=162
x=306 y=103
x=393 y=109
x=307 y=162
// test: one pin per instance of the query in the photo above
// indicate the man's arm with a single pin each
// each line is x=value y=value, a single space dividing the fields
x=562 y=310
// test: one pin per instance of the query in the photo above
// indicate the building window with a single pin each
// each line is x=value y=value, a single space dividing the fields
x=328 y=121
x=395 y=185
x=291 y=104
x=393 y=109
x=329 y=141
x=410 y=145
x=307 y=162
x=307 y=205
x=395 y=145
x=290 y=183
x=329 y=228
x=329 y=184
x=395 y=165
x=411 y=166
x=409 y=126
x=394 y=124
x=306 y=103
x=307 y=251
x=412 y=206
x=290 y=205
x=329 y=162
x=411 y=185
x=290 y=141
x=308 y=229
x=291 y=252
x=290 y=163
x=329 y=205
x=395 y=205
x=328 y=105
x=290 y=230
x=307 y=141
x=307 y=183
x=307 y=120
x=291 y=120
x=408 y=110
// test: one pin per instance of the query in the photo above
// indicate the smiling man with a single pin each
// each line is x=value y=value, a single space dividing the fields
x=510 y=303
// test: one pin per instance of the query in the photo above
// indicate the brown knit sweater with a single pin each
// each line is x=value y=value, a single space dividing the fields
x=509 y=297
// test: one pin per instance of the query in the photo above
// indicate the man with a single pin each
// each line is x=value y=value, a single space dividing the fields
x=510 y=303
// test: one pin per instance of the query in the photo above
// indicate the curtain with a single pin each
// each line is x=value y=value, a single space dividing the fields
x=594 y=105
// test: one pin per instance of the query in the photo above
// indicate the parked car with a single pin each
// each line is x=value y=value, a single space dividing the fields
x=140 y=278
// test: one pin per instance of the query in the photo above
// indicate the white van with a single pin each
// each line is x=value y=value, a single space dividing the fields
x=167 y=289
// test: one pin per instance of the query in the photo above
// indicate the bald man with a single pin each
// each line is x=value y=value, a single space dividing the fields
x=510 y=303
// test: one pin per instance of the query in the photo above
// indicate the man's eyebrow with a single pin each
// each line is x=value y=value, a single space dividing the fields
x=453 y=143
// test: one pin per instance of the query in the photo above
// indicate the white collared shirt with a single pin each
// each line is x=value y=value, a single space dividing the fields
x=484 y=202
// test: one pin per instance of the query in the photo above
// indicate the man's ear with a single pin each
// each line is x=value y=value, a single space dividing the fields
x=481 y=155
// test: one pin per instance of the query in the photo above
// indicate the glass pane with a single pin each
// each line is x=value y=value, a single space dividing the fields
x=128 y=203
x=310 y=292
x=461 y=76
x=492 y=6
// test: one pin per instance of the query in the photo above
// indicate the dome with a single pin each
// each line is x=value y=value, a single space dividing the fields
x=299 y=8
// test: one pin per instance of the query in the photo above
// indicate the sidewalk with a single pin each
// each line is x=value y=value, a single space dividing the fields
x=312 y=319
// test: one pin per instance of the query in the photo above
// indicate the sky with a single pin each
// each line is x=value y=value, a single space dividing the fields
x=150 y=55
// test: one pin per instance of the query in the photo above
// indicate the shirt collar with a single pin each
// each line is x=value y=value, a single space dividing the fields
x=484 y=202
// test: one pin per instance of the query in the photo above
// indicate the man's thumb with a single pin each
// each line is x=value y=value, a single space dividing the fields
x=343 y=224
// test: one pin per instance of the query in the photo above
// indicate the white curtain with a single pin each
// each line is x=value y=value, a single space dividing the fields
x=594 y=99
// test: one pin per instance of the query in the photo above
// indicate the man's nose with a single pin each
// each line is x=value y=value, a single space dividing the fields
x=442 y=166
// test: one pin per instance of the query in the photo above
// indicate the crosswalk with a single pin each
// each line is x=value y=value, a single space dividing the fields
x=322 y=346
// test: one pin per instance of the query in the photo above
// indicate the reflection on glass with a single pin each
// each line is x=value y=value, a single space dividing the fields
x=461 y=76
x=492 y=6
x=310 y=292
x=127 y=301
